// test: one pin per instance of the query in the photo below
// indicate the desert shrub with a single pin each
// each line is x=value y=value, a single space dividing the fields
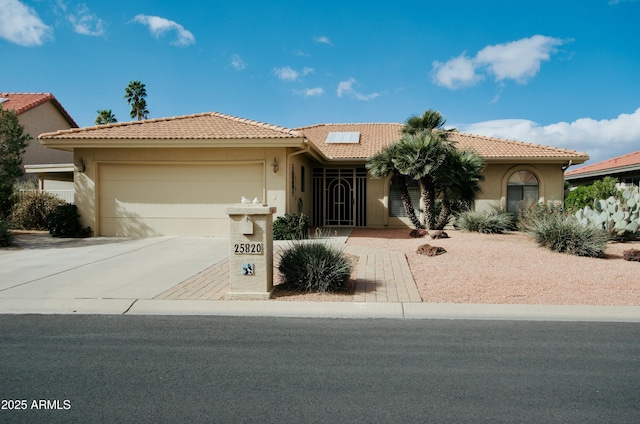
x=64 y=221
x=533 y=212
x=291 y=227
x=485 y=222
x=314 y=267
x=563 y=233
x=6 y=238
x=32 y=210
x=583 y=196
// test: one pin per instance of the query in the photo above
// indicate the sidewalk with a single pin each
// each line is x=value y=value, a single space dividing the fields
x=183 y=276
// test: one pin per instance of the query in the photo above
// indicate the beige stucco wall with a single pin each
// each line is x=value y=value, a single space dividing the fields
x=493 y=196
x=494 y=188
x=88 y=189
x=41 y=119
x=295 y=187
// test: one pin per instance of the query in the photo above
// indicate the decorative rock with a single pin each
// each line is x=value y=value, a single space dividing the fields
x=631 y=255
x=429 y=250
x=417 y=233
x=439 y=234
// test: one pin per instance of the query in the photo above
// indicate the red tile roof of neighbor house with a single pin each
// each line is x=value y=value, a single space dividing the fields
x=373 y=136
x=629 y=159
x=23 y=102
x=202 y=126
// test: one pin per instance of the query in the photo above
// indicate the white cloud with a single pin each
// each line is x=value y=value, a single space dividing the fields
x=158 y=26
x=237 y=62
x=20 y=24
x=346 y=88
x=601 y=139
x=518 y=60
x=456 y=73
x=323 y=40
x=85 y=22
x=286 y=73
x=310 y=92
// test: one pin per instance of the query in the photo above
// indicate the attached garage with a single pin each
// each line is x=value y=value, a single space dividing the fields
x=177 y=176
x=147 y=199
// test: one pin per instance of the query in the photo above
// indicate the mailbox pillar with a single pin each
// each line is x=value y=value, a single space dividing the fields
x=251 y=255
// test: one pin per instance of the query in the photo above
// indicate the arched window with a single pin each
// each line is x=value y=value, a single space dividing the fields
x=522 y=188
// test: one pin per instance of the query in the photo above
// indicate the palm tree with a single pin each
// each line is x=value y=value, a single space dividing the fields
x=458 y=182
x=381 y=165
x=105 y=116
x=135 y=94
x=431 y=121
x=420 y=157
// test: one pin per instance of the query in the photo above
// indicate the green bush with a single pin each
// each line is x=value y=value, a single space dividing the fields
x=485 y=222
x=583 y=196
x=563 y=233
x=291 y=227
x=64 y=221
x=32 y=210
x=314 y=267
x=6 y=238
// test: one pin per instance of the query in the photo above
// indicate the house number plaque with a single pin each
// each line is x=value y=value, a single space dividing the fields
x=247 y=248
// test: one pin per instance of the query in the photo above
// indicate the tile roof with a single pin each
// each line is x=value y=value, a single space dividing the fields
x=373 y=137
x=22 y=102
x=202 y=126
x=630 y=159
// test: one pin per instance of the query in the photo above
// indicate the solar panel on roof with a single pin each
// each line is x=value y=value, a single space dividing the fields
x=343 y=137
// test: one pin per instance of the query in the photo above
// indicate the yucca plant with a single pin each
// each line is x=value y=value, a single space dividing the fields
x=563 y=233
x=485 y=222
x=314 y=267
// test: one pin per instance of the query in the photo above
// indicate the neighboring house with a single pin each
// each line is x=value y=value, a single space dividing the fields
x=176 y=176
x=625 y=168
x=39 y=113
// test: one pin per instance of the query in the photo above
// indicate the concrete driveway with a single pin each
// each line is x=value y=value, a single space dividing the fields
x=103 y=267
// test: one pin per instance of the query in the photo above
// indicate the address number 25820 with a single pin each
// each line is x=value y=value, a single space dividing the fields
x=247 y=248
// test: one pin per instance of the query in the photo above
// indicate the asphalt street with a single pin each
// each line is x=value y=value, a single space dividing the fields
x=156 y=369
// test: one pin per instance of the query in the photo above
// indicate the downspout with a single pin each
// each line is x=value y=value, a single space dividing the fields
x=564 y=168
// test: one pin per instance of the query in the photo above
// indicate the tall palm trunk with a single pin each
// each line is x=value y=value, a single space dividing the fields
x=406 y=200
x=445 y=213
x=428 y=193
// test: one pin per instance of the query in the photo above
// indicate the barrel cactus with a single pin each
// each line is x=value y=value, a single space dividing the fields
x=620 y=218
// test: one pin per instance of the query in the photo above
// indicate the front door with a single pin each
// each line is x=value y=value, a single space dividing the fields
x=339 y=197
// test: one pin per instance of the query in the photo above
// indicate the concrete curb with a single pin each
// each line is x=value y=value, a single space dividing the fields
x=268 y=308
x=65 y=306
x=522 y=312
x=349 y=310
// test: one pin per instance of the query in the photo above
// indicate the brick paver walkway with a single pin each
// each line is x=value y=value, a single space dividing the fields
x=381 y=276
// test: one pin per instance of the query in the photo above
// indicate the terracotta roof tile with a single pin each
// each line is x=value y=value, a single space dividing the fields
x=373 y=137
x=22 y=102
x=201 y=126
x=629 y=159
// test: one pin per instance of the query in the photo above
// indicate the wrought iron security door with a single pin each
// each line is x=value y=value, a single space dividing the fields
x=339 y=197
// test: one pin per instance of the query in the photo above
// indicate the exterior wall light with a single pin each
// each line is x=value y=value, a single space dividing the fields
x=80 y=166
x=275 y=165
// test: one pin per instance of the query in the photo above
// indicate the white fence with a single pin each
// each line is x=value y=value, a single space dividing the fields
x=66 y=195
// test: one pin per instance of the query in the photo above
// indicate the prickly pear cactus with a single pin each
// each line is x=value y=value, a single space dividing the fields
x=620 y=218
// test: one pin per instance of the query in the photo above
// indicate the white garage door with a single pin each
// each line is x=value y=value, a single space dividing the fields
x=185 y=199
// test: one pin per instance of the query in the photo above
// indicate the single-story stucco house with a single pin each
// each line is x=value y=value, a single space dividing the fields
x=625 y=169
x=39 y=113
x=176 y=176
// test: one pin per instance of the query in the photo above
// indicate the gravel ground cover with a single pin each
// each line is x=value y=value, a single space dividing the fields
x=511 y=269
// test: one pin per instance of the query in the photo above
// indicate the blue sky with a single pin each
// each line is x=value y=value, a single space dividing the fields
x=555 y=72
